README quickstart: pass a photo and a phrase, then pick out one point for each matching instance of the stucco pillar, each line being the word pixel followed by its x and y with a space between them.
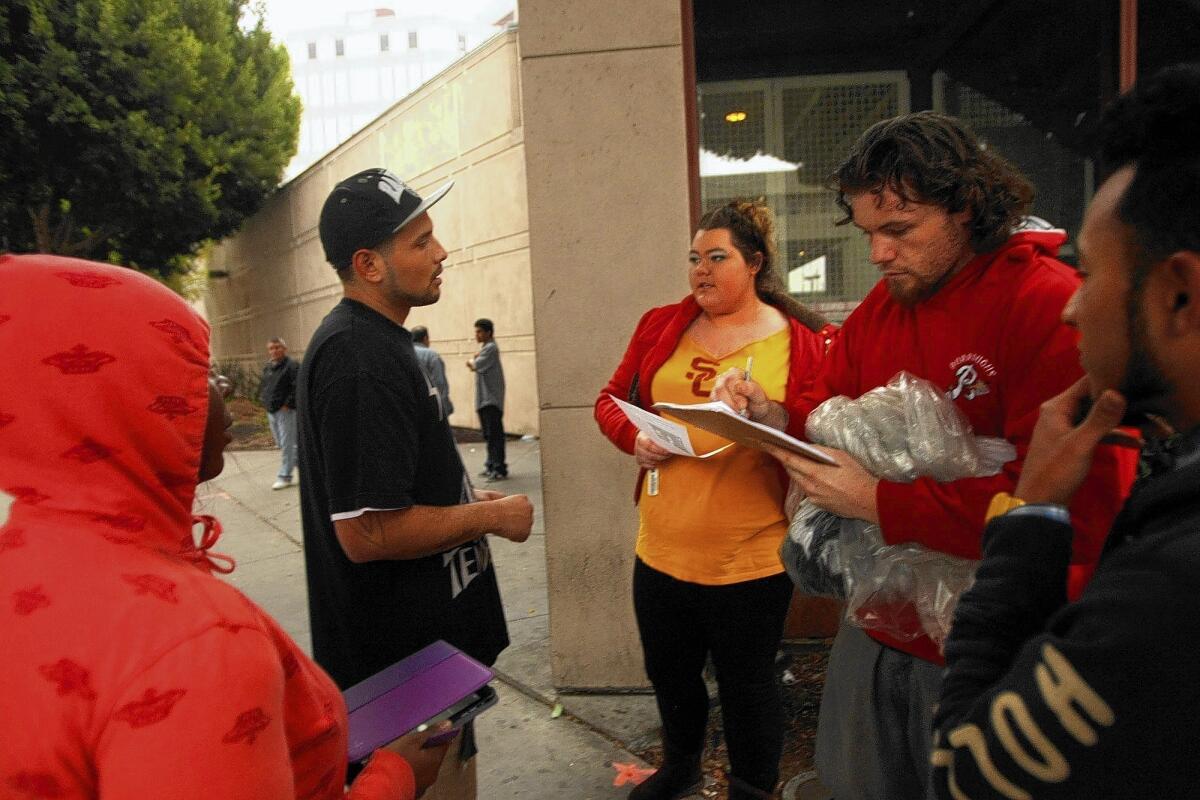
pixel 603 102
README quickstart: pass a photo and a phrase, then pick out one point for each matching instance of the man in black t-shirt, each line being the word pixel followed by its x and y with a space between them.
pixel 395 553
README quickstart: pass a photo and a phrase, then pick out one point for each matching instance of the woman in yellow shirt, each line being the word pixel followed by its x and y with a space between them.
pixel 708 580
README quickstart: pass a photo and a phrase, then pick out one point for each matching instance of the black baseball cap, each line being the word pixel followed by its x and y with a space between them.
pixel 367 208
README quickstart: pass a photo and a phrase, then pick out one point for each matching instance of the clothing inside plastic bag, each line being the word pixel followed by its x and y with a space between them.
pixel 899 432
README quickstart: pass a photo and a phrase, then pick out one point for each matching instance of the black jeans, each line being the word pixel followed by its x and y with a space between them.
pixel 740 625
pixel 492 422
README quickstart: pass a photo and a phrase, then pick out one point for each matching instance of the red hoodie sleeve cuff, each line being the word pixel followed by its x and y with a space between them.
pixel 628 441
pixel 387 775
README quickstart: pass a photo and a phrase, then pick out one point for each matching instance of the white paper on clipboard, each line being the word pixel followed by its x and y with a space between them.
pixel 719 418
pixel 666 434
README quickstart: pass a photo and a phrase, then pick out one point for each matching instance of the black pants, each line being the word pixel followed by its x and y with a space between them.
pixel 740 625
pixel 492 423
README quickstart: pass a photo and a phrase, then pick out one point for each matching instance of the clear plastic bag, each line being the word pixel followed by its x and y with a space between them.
pixel 899 432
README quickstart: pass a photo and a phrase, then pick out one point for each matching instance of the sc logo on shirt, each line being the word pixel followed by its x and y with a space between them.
pixel 703 370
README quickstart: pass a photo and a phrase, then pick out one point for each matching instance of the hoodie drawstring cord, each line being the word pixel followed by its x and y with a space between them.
pixel 217 562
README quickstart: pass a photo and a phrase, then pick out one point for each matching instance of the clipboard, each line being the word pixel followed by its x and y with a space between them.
pixel 436 683
pixel 722 420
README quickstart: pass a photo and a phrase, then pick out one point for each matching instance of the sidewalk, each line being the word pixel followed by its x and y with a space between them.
pixel 524 751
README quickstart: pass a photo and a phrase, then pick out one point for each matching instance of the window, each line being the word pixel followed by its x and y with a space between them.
pixel 412 40
pixel 814 267
pixel 384 45
pixel 312 50
pixel 462 43
pixel 778 139
pixel 339 47
pixel 1062 177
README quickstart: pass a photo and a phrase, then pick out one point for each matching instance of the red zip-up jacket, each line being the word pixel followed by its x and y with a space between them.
pixel 654 340
pixel 993 338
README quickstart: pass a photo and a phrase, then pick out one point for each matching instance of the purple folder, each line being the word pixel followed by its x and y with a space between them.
pixel 396 700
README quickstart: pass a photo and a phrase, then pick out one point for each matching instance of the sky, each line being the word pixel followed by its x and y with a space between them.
pixel 285 16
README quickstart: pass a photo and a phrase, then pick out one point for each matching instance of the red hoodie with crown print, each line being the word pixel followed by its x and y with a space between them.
pixel 129 669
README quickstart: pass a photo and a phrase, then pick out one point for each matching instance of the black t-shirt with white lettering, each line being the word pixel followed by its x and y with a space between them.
pixel 372 437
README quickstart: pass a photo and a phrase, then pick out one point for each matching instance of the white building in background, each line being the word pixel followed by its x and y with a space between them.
pixel 347 75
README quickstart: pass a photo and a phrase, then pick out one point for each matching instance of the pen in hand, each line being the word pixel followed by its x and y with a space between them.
pixel 745 412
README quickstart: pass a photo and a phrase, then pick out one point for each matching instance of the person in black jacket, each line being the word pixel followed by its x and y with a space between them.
pixel 277 392
pixel 1099 698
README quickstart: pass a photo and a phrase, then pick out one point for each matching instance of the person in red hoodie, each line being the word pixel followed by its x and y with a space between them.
pixel 708 579
pixel 129 669
pixel 971 299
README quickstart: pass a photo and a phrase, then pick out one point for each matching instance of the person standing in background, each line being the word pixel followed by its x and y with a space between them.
pixel 277 393
pixel 434 368
pixel 489 398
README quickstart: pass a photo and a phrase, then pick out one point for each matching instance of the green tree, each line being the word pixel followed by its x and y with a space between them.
pixel 135 130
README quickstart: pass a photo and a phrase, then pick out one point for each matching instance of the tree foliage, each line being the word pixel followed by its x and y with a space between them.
pixel 135 130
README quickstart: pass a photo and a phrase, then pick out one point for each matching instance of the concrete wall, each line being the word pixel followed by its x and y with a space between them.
pixel 464 125
pixel 606 159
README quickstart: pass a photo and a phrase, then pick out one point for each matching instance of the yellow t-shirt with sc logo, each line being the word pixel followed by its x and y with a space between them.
pixel 716 520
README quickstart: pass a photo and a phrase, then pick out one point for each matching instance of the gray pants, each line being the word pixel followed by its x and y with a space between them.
pixel 876 723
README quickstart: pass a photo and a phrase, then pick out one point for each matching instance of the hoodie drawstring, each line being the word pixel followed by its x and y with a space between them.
pixel 217 562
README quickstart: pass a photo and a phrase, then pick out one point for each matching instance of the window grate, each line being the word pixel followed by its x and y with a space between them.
pixel 1062 178
pixel 803 127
